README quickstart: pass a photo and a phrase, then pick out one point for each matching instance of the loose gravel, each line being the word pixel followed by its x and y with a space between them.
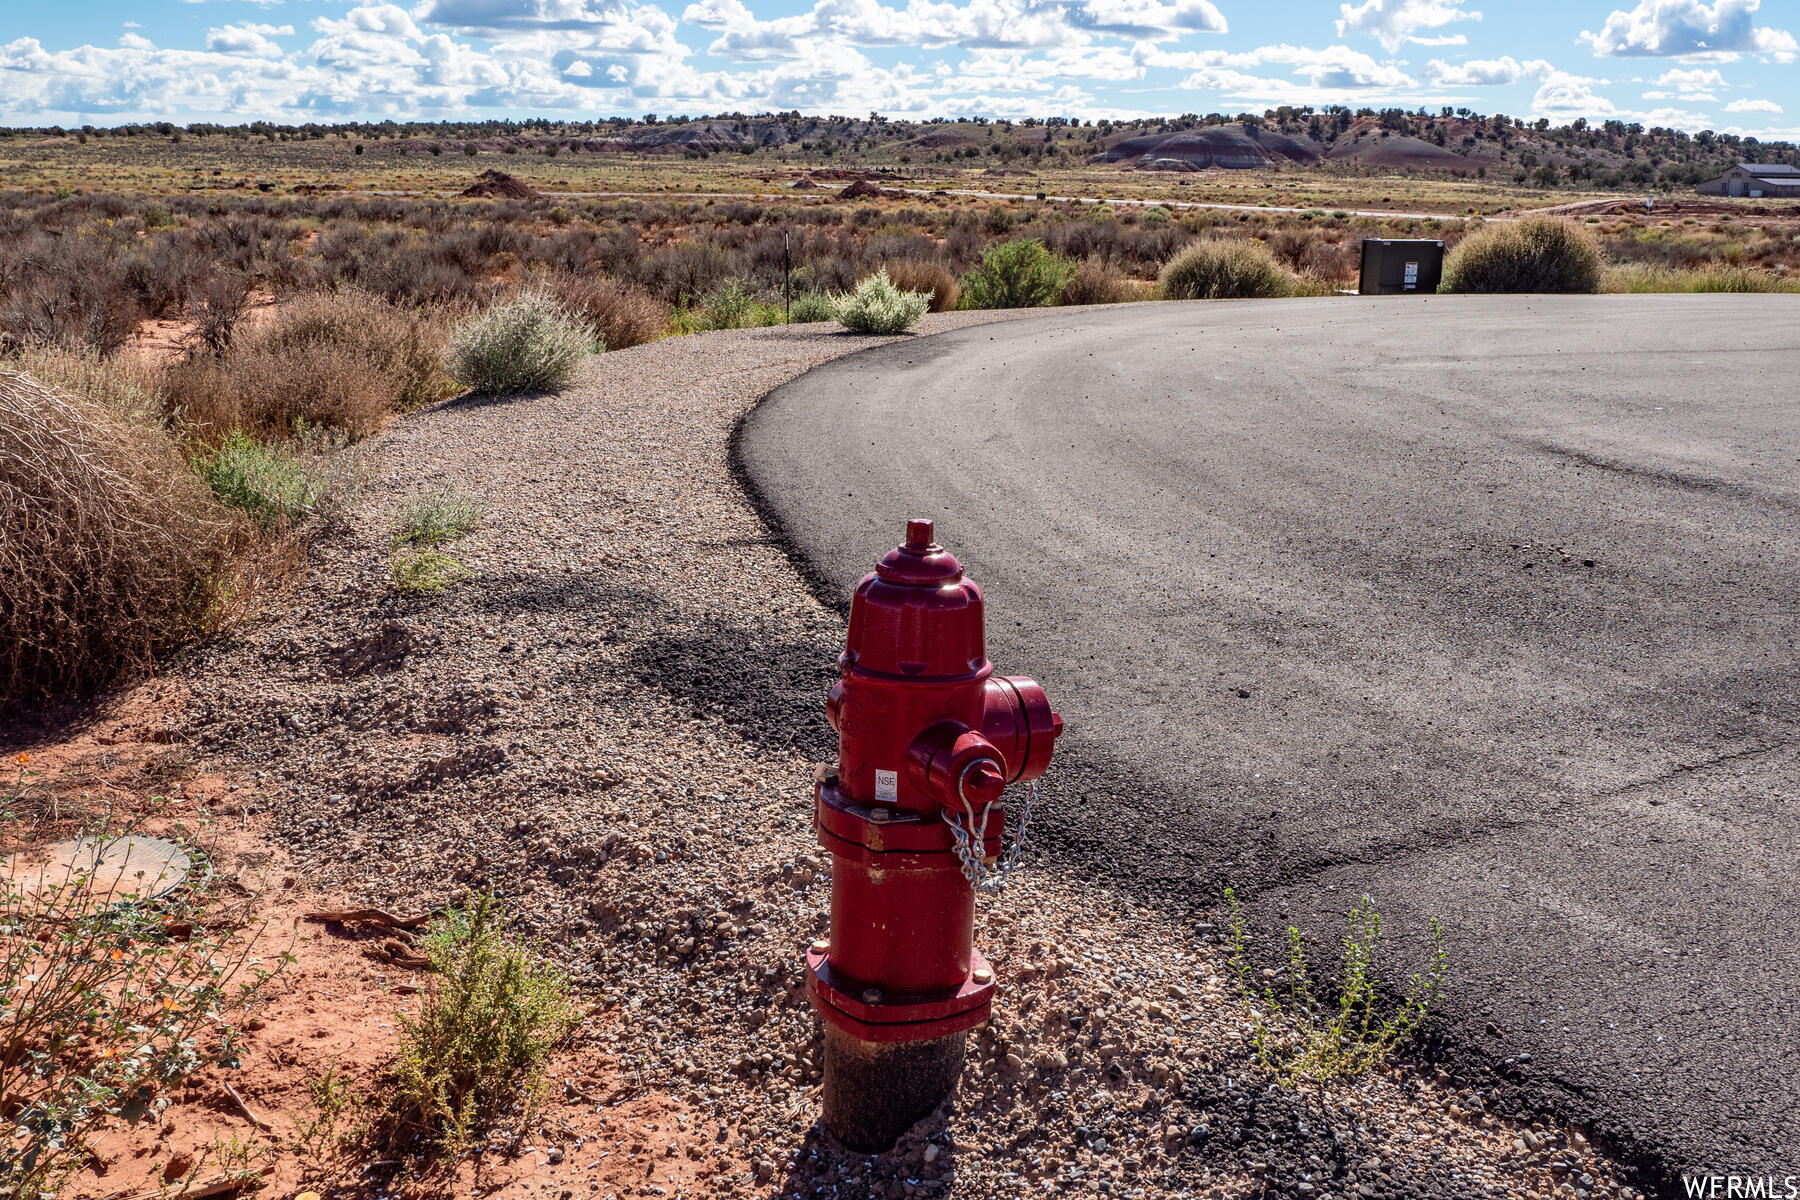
pixel 613 721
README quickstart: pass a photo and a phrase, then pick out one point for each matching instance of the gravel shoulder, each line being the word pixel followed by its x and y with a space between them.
pixel 613 722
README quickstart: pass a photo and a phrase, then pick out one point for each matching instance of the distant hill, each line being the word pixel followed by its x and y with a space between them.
pixel 1232 147
pixel 1615 154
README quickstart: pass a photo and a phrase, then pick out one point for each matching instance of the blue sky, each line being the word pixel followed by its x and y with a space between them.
pixel 1725 65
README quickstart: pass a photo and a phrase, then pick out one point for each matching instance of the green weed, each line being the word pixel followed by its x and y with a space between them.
pixel 272 485
pixel 1303 1037
pixel 418 572
pixel 487 1026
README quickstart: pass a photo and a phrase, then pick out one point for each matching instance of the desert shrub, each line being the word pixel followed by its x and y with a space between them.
pixel 527 343
pixel 1224 271
pixel 268 482
pixel 125 385
pixel 877 306
pixel 625 314
pixel 403 344
pixel 271 392
pixel 810 307
pixel 930 277
pixel 108 1010
pixel 435 515
pixel 1016 274
pixel 491 1018
pixel 215 310
pixel 1096 281
pixel 1538 255
pixel 108 548
pixel 730 306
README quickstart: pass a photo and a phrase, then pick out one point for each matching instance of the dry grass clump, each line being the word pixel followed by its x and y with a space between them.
pixel 403 344
pixel 932 278
pixel 274 393
pixel 1097 281
pixel 1643 277
pixel 625 314
pixel 1231 270
pixel 109 547
pixel 1543 254
pixel 128 386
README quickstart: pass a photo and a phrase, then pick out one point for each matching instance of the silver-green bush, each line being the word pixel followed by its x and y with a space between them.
pixel 808 307
pixel 530 343
pixel 877 306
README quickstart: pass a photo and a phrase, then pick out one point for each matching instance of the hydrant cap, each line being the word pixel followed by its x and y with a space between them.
pixel 920 562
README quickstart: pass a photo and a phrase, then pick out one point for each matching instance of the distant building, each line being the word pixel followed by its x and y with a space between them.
pixel 1755 179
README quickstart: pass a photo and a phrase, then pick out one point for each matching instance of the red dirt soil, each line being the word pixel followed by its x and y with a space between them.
pixel 334 1007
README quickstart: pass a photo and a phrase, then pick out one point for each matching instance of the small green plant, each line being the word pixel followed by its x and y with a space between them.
pixel 530 343
pixel 157 215
pixel 106 1006
pixel 1303 1037
pixel 330 1098
pixel 272 485
pixel 811 307
pixel 877 306
pixel 1225 270
pixel 435 516
pixel 1021 273
pixel 423 571
pixel 477 1050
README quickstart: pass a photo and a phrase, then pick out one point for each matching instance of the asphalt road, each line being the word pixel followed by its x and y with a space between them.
pixel 1486 607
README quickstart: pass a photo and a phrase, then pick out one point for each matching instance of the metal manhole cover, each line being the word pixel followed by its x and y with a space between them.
pixel 131 868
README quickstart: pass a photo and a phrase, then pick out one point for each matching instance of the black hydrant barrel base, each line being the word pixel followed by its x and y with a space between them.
pixel 875 1091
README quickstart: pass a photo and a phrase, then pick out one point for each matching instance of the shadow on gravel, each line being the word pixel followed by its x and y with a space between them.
pixel 765 683
pixel 595 594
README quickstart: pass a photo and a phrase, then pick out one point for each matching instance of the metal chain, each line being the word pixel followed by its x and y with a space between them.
pixel 982 877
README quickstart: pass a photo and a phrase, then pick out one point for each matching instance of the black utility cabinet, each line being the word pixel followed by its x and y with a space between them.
pixel 1393 268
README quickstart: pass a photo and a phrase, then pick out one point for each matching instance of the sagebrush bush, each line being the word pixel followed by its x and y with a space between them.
pixel 435 515
pixel 402 343
pixel 477 1049
pixel 272 392
pixel 809 307
pixel 109 548
pixel 1016 274
pixel 877 306
pixel 1542 254
pixel 1097 281
pixel 528 343
pixel 928 276
pixel 624 313
pixel 1230 270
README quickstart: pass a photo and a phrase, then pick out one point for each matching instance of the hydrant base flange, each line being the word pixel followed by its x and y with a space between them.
pixel 892 1019
pixel 876 1091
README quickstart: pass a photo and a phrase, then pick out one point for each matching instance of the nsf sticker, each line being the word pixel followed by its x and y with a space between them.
pixel 887 786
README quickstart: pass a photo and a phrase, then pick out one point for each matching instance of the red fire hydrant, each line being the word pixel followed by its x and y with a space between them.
pixel 928 740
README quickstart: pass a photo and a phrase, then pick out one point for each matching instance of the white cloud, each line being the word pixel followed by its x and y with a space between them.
pixel 1564 97
pixel 1328 75
pixel 1743 106
pixel 1691 29
pixel 248 38
pixel 1484 72
pixel 1393 23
